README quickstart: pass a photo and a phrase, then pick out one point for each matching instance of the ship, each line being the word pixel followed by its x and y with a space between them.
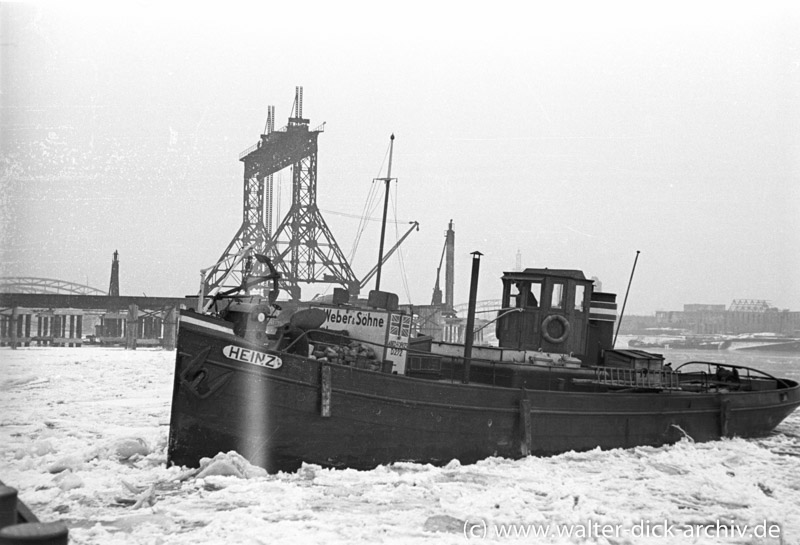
pixel 756 342
pixel 761 342
pixel 348 384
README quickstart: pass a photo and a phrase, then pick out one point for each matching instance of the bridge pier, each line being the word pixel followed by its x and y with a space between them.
pixel 15 327
pixel 45 321
pixel 59 319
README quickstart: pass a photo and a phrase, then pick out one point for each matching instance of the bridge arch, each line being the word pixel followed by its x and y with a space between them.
pixel 30 284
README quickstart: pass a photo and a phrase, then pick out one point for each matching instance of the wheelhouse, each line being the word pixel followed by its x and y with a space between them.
pixel 550 310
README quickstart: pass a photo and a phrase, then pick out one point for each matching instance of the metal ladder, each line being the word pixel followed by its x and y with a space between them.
pixel 636 378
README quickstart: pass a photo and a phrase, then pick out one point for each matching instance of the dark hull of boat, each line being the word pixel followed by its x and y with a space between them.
pixel 342 416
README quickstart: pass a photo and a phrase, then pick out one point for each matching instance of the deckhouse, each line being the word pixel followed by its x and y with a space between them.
pixel 556 310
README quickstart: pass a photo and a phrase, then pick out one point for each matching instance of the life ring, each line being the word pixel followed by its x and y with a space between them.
pixel 565 326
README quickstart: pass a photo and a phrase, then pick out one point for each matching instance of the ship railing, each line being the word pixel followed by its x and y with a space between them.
pixel 660 379
pixel 709 374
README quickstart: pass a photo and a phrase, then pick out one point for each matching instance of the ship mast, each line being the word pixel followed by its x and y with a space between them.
pixel 385 207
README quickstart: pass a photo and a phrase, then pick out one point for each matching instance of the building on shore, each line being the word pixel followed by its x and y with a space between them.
pixel 742 316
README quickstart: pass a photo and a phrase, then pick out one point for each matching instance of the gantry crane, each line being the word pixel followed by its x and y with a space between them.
pixel 302 248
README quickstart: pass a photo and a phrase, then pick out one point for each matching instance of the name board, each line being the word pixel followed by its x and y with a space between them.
pixel 389 331
pixel 253 357
pixel 337 316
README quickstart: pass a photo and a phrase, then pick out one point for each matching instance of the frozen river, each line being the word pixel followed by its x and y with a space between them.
pixel 83 436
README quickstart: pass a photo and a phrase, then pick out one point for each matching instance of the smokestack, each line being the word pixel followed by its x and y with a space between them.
pixel 602 316
pixel 469 334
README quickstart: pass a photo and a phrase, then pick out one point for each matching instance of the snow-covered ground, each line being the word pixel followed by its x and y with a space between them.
pixel 83 436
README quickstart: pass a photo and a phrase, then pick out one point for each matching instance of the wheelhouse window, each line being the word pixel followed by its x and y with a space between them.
pixel 526 294
pixel 557 299
pixel 580 293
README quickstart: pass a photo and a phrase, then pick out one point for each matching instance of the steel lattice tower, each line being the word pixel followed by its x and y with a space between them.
pixel 302 248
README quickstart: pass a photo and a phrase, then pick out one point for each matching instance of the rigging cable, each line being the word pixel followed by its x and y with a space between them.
pixel 369 207
pixel 335 213
pixel 403 274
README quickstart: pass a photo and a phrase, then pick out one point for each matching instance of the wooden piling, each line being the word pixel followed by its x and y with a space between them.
pixel 48 329
pixel 71 330
pixel 27 332
pixel 170 328
pixel 325 393
pixel 132 327
pixel 724 417
pixel 13 324
pixel 525 427
pixel 56 329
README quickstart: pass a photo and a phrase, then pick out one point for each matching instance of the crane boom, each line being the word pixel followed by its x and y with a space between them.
pixel 371 273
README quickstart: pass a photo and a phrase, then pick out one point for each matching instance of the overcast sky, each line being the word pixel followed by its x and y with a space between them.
pixel 574 135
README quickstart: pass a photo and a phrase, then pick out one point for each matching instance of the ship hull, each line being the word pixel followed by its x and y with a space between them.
pixel 340 416
pixel 757 345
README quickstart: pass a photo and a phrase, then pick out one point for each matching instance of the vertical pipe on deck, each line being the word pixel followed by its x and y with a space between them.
pixel 469 334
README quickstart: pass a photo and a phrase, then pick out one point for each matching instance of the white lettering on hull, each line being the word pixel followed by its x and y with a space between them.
pixel 253 357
